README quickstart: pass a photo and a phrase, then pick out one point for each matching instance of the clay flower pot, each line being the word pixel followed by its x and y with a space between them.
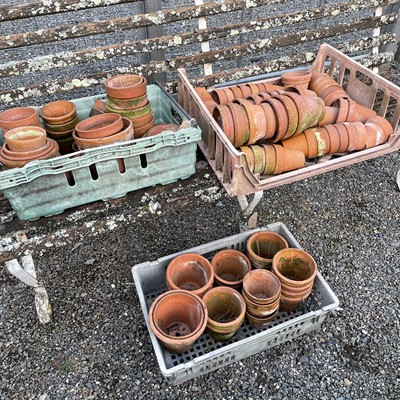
pixel 375 135
pixel 237 93
pixel 295 269
pixel 331 114
pixel 248 152
pixel 230 267
pixel 358 113
pixel 191 272
pixel 99 126
pixel 334 138
pixel 157 129
pixel 270 159
pixel 292 113
pixel 323 141
pixel 344 137
pixel 257 122
pixel 132 114
pixel 383 123
pixel 18 117
pixel 203 94
pixel 361 135
pixel 270 119
pixel 259 159
pixel 20 159
pixel 311 143
pixel 25 138
pixel 246 91
pixel 127 104
pixel 125 87
pixel 241 124
pixel 226 311
pixel 262 246
pixel 352 135
pixel 220 96
pixel 298 142
pixel 58 112
pixel 223 116
pixel 61 128
pixel 282 120
pixel 178 318
pixel 143 130
pixel 261 323
pixel 298 78
pixel 122 136
pixel 288 159
pixel 144 120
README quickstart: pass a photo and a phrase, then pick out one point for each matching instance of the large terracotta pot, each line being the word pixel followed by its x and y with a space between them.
pixel 178 318
pixel 262 246
pixel 226 311
pixel 248 152
pixel 295 269
pixel 191 272
pixel 230 268
pixel 383 123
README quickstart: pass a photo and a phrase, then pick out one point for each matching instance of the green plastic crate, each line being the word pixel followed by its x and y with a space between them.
pixel 48 187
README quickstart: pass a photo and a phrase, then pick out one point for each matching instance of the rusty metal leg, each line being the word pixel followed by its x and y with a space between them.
pixel 247 207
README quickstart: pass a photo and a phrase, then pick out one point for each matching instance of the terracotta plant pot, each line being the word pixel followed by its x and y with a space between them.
pixel 323 141
pixel 220 96
pixel 139 122
pixel 241 124
pixel 23 158
pixel 191 272
pixel 27 155
pixel 203 94
pixel 261 310
pixel 311 143
pixel 295 269
pixel 270 159
pixel 383 123
pixel 331 114
pixel 352 135
pixel 261 323
pixel 282 120
pixel 178 318
pixel 292 113
pixel 122 136
pixel 99 126
pixel 343 105
pixel 257 122
pixel 344 137
pixel 262 246
pixel 334 138
pixel 125 86
pixel 226 310
pixel 223 116
pixel 67 127
pixel 58 112
pixel 261 287
pixel 25 138
pixel 127 104
pixel 358 113
pixel 143 130
pixel 288 159
pixel 298 78
pixel 361 135
pixel 157 129
pixel 230 268
pixel 298 142
pixel 18 117
pixel 248 152
pixel 237 93
pixel 271 120
pixel 132 114
pixel 259 159
pixel 246 91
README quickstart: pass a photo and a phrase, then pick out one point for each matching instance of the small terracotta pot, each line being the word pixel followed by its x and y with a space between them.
pixel 143 130
pixel 237 93
pixel 157 129
pixel 248 152
pixel 343 105
pixel 298 78
pixel 262 246
pixel 126 86
pixel 352 134
pixel 361 135
pixel 18 117
pixel 270 159
pixel 190 271
pixel 144 120
pixel 261 310
pixel 300 90
pixel 257 122
pixel 178 318
pixel 358 113
pixel 226 311
pixel 253 87
pixel 58 112
pixel 122 136
pixel 259 159
pixel 25 138
pixel 99 126
pixel 246 91
pixel 27 155
pixel 261 287
pixel 241 124
pixel 288 159
pixel 331 94
pixel 230 267
pixel 223 116
pixel 261 323
pixel 344 137
pixel 375 134
pixel 294 268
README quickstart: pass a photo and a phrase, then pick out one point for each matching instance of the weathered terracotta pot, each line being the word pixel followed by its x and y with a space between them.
pixel 383 123
pixel 144 120
pixel 99 126
pixel 220 97
pixel 261 310
pixel 203 94
pixel 292 113
pixel 334 138
pixel 223 116
pixel 25 138
pixel 126 86
pixel 226 311
pixel 248 152
pixel 191 272
pixel 343 105
pixel 143 130
pixel 352 135
pixel 257 122
pixel 331 94
pixel 178 318
pixel 270 159
pixel 375 134
pixel 358 113
pixel 262 246
pixel 46 152
pixel 61 128
pixel 58 112
pixel 261 286
pixel 259 159
pixel 246 91
pixel 344 137
pixel 298 142
pixel 26 155
pixel 122 136
pixel 294 268
pixel 288 159
pixel 323 141
pixel 237 93
pixel 241 124
pixel 127 104
pixel 157 129
pixel 331 114
pixel 18 117
pixel 282 120
pixel 230 267
pixel 270 119
pixel 311 143
pixel 298 78
pixel 361 135
pixel 261 323
pixel 132 114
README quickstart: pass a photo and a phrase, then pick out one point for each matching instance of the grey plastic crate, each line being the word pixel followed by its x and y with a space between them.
pixel 207 355
pixel 43 188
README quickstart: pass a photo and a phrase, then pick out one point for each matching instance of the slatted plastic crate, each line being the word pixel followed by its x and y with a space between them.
pixel 48 187
pixel 207 355
pixel 229 163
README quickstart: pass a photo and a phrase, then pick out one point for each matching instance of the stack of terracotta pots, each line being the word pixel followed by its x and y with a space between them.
pixel 60 119
pixel 261 293
pixel 311 113
pixel 127 96
pixel 296 271
pixel 25 144
pixel 102 129
pixel 19 117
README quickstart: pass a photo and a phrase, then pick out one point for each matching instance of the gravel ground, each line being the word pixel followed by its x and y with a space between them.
pixel 97 345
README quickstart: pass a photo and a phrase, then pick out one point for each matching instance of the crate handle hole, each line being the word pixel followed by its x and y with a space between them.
pixel 93 172
pixel 143 160
pixel 121 165
pixel 70 178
